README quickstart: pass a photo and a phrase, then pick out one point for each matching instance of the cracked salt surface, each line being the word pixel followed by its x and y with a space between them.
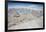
pixel 24 21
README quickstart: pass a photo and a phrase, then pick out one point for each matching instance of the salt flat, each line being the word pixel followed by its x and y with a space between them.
pixel 25 21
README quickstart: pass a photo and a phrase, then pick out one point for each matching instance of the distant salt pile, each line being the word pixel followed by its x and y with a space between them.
pixel 37 13
pixel 12 12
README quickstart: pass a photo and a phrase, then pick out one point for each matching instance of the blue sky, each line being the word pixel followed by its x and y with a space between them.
pixel 33 6
pixel 14 5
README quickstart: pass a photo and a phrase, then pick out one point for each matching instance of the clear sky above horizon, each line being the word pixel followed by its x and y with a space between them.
pixel 16 5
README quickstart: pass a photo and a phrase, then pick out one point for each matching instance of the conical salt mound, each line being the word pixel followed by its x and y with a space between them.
pixel 12 12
